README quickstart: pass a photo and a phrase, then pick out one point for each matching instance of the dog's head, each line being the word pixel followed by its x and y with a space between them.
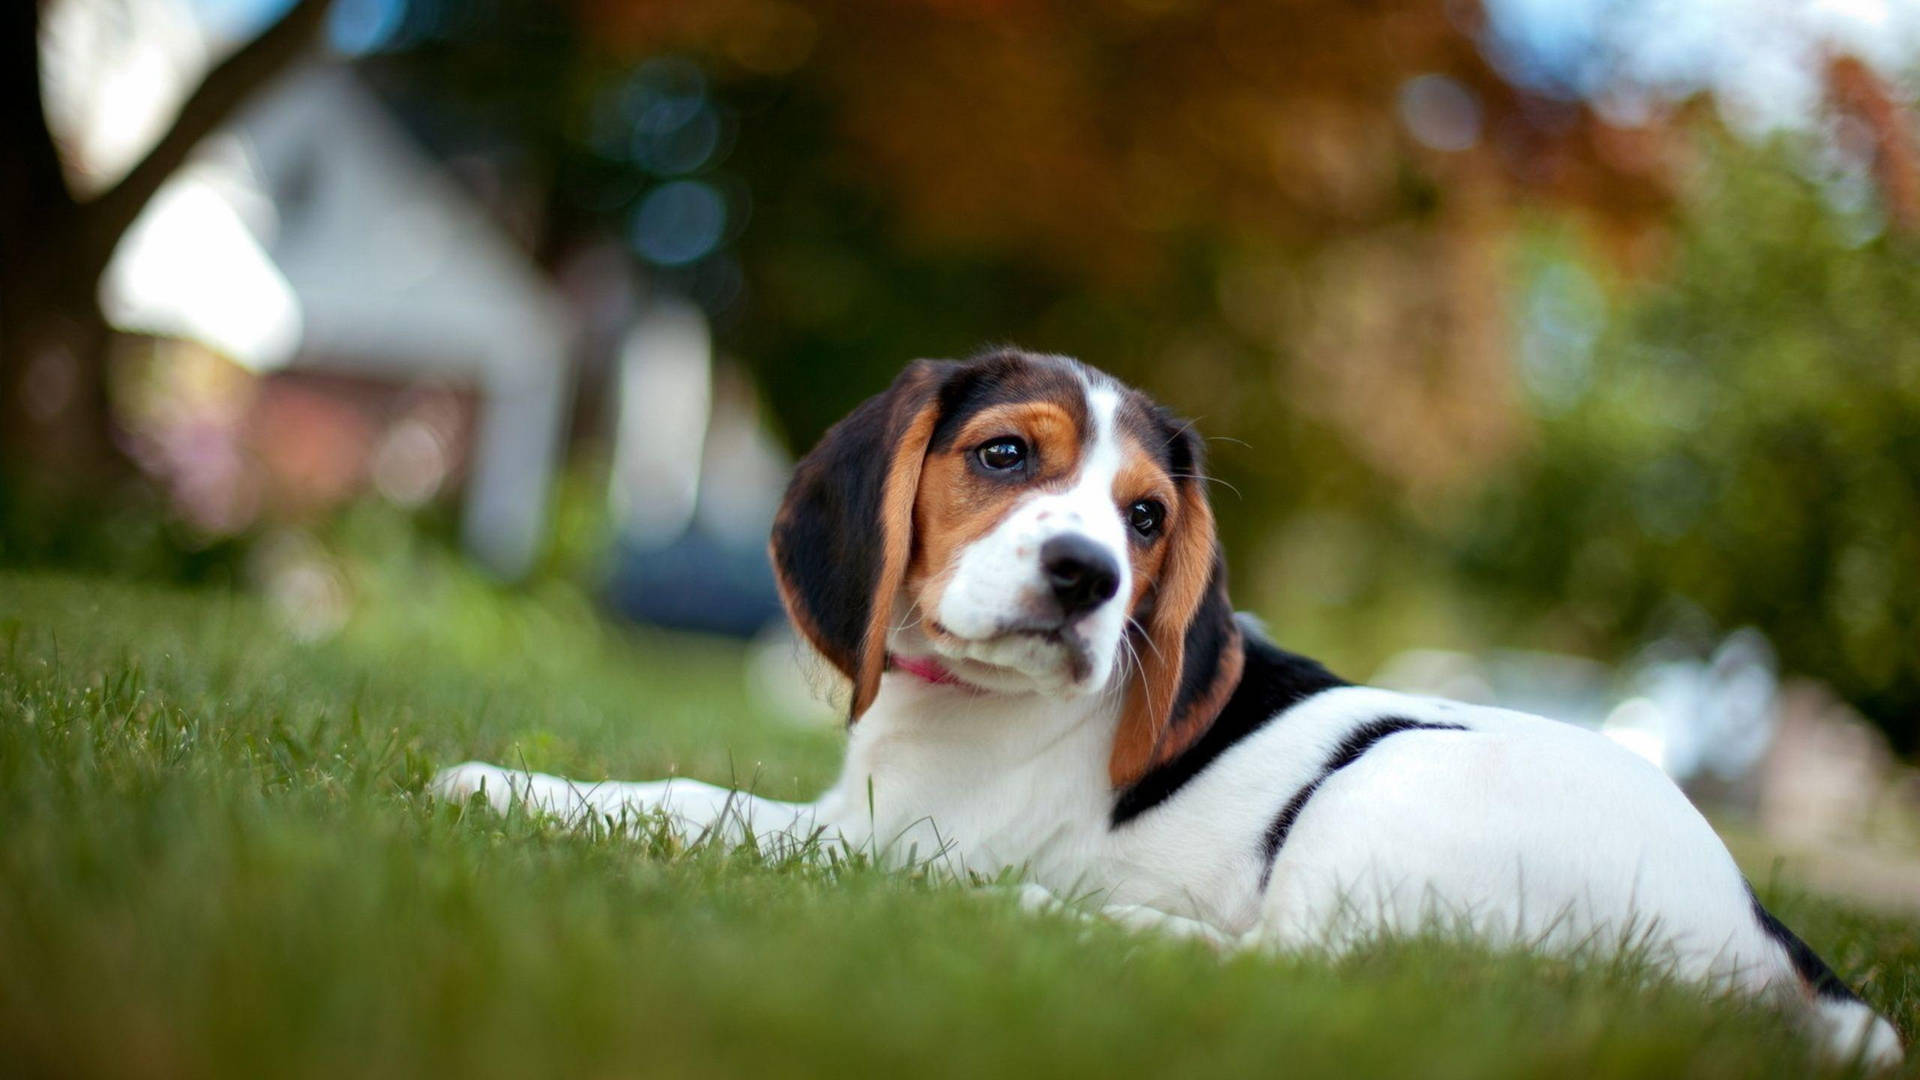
pixel 1018 524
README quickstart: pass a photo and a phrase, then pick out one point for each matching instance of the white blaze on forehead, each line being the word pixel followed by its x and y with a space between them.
pixel 1091 496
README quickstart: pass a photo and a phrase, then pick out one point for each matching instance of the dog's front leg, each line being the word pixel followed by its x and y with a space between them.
pixel 695 810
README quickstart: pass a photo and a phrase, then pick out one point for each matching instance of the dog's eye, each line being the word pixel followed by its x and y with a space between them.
pixel 1003 453
pixel 1146 517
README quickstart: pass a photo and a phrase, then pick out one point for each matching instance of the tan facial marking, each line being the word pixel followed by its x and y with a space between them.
pixel 1149 731
pixel 897 500
pixel 1141 477
pixel 957 506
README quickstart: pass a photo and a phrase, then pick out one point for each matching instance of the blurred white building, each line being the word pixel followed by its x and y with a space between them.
pixel 314 235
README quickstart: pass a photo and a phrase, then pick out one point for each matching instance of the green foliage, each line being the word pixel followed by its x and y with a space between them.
pixel 123 529
pixel 217 859
pixel 1748 438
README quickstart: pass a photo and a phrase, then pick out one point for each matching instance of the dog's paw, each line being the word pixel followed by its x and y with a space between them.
pixel 1038 899
pixel 459 783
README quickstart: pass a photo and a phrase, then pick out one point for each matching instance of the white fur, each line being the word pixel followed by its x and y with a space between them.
pixel 1519 829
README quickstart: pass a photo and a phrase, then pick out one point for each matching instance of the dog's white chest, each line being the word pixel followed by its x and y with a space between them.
pixel 983 783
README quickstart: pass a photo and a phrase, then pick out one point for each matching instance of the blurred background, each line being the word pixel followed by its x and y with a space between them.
pixel 1563 354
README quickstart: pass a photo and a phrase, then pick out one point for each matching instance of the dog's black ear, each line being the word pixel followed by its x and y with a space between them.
pixel 1193 654
pixel 844 533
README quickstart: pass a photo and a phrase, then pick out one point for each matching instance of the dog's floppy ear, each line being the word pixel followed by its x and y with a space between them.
pixel 845 530
pixel 1193 654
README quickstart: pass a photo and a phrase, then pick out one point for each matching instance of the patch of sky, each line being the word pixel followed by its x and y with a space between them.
pixel 1762 62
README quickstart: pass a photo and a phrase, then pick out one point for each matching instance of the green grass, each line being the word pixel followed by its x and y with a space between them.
pixel 216 858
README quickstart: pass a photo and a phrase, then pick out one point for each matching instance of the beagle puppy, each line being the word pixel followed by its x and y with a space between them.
pixel 1012 559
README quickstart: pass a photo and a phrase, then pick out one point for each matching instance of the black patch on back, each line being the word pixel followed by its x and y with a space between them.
pixel 1358 742
pixel 1272 681
pixel 1813 970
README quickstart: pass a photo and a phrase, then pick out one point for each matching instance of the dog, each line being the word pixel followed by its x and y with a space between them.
pixel 1012 560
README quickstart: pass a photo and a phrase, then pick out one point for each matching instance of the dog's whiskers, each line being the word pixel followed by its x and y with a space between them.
pixel 1129 658
pixel 1151 644
pixel 913 619
pixel 1207 479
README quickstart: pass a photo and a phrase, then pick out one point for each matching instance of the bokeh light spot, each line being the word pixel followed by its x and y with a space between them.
pixel 1439 112
pixel 679 222
pixel 357 27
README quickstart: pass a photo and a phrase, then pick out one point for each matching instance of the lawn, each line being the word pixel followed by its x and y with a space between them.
pixel 216 858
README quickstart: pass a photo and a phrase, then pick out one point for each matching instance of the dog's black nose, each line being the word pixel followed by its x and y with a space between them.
pixel 1080 572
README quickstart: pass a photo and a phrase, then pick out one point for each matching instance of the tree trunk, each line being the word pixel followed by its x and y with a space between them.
pixel 55 418
pixel 55 422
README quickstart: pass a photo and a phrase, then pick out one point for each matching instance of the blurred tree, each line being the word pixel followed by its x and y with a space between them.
pixel 1745 434
pixel 1294 219
pixel 1303 197
pixel 54 245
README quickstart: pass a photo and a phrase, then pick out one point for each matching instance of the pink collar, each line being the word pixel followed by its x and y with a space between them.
pixel 924 668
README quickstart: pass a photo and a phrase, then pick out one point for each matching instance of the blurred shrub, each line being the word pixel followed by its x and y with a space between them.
pixel 124 528
pixel 1744 434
